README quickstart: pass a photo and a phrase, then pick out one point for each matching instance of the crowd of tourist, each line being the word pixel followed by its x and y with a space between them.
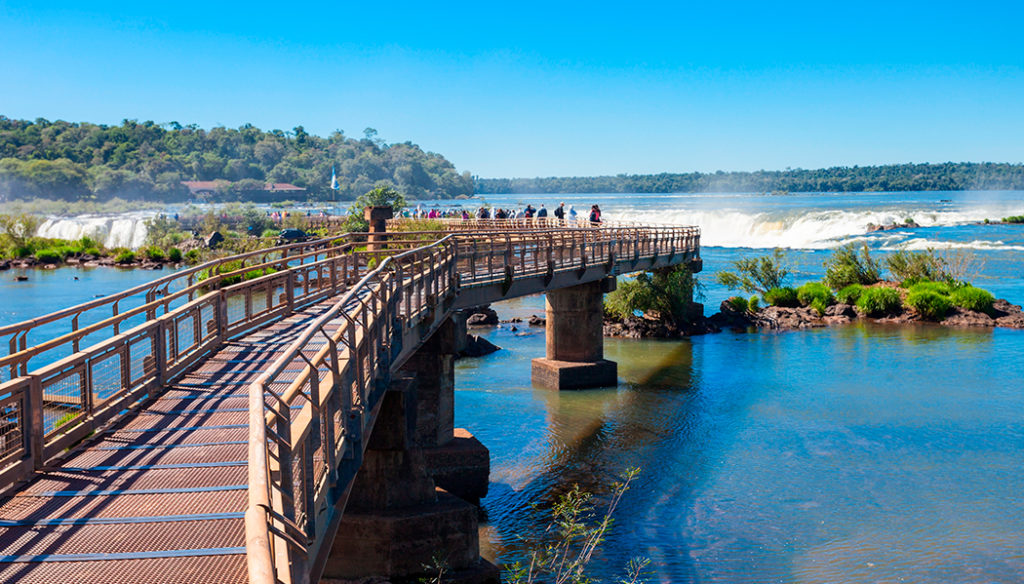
pixel 561 214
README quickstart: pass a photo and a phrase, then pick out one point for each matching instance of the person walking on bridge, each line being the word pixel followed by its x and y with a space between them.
pixel 595 214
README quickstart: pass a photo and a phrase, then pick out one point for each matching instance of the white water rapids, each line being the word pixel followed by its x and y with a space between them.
pixel 811 228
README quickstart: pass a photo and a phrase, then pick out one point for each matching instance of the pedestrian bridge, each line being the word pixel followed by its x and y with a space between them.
pixel 209 426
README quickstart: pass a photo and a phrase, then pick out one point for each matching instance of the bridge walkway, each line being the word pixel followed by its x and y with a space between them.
pixel 162 494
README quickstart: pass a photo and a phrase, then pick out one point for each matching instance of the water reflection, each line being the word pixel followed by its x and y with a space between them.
pixel 851 454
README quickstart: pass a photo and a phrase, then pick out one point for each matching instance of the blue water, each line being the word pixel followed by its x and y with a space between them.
pixel 861 453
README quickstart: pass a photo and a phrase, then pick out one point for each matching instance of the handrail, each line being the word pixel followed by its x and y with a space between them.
pixel 157 295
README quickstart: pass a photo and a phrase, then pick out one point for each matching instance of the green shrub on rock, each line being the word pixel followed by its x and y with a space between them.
pixel 936 287
pixel 812 291
pixel 174 254
pixel 738 303
pixel 154 253
pixel 879 301
pixel 819 305
pixel 783 296
pixel 850 294
pixel 971 298
pixel 49 256
pixel 754 304
pixel 125 257
pixel 929 304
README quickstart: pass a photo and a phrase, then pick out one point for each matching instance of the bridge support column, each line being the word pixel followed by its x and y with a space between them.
pixel 396 522
pixel 455 459
pixel 575 342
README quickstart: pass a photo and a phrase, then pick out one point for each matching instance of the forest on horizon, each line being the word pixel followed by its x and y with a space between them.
pixel 148 161
pixel 949 176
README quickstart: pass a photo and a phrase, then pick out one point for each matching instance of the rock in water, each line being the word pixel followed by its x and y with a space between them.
pixel 537 320
pixel 477 346
pixel 483 316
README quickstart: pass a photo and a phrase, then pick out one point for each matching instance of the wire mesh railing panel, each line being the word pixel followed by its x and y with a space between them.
pixel 107 375
pixel 141 358
pixel 63 398
pixel 12 423
pixel 185 332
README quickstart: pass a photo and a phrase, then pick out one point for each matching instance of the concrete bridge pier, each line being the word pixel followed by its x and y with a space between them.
pixel 396 522
pixel 575 342
pixel 455 459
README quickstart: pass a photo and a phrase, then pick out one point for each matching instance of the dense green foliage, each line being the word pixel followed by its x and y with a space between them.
pixel 949 176
pixel 879 301
pixel 812 292
pixel 668 292
pixel 849 294
pixel 756 275
pixel 845 266
pixel 1012 219
pixel 971 298
pixel 928 303
pixel 77 161
pixel 782 296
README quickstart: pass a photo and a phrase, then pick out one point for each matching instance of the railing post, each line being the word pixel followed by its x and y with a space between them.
pixel 222 316
pixel 35 417
pixel 160 352
pixel 289 290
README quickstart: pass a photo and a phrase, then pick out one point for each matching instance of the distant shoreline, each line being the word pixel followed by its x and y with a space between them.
pixel 949 176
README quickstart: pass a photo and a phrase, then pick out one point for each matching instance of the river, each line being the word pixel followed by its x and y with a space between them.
pixel 862 453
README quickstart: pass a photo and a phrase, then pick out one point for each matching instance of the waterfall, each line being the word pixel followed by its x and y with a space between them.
pixel 120 230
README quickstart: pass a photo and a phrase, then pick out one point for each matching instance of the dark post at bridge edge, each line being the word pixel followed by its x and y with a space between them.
pixel 575 343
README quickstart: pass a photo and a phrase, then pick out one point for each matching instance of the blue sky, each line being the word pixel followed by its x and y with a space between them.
pixel 543 89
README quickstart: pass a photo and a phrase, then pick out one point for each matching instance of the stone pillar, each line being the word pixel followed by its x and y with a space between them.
pixel 455 459
pixel 377 217
pixel 575 343
pixel 396 521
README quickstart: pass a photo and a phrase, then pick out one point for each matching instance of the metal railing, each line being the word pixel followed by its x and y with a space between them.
pixel 301 463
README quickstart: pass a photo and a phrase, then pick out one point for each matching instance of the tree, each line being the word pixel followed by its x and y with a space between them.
pixel 668 292
pixel 846 267
pixel 382 196
pixel 756 275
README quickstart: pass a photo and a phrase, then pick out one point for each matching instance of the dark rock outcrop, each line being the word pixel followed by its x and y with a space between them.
pixel 483 316
pixel 781 318
pixel 213 240
pixel 905 225
pixel 537 320
pixel 477 346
